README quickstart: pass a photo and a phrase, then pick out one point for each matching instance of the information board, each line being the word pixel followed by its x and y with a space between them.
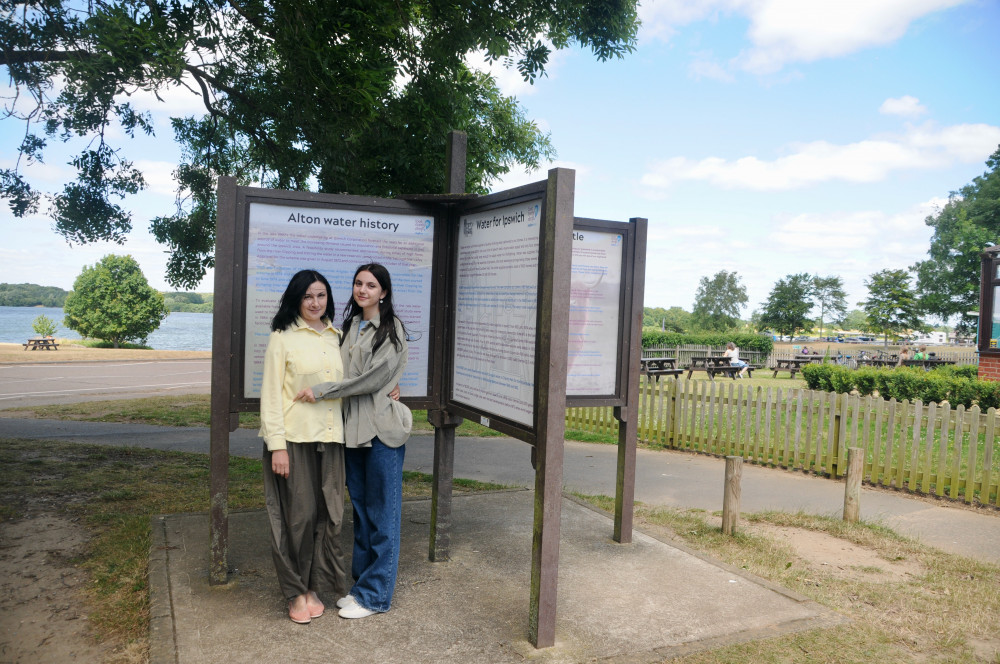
pixel 496 310
pixel 283 239
pixel 595 312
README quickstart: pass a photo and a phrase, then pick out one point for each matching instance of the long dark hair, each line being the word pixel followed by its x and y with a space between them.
pixel 291 299
pixel 386 313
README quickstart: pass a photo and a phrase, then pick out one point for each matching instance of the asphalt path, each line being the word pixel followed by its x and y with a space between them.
pixel 38 384
pixel 672 479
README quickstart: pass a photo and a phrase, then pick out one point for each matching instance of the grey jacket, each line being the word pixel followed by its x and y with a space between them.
pixel 368 379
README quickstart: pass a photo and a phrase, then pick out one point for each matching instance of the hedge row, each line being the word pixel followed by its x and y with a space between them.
pixel 743 341
pixel 956 385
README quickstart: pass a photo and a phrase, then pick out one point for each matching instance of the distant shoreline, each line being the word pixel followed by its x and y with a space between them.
pixel 14 353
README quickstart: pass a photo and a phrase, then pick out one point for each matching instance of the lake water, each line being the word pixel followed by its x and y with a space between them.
pixel 178 331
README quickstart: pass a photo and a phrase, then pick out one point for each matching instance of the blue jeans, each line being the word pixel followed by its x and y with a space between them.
pixel 375 481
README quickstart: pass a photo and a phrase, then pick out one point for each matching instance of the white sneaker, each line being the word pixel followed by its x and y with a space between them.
pixel 346 601
pixel 355 611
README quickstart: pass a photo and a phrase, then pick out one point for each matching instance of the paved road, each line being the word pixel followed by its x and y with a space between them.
pixel 673 479
pixel 42 384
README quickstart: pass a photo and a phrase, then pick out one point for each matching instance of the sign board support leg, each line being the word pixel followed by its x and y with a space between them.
pixel 628 416
pixel 550 373
pixel 441 491
pixel 222 420
pixel 625 478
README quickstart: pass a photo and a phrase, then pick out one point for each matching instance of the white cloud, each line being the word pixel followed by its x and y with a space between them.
pixel 159 176
pixel 702 67
pixel 518 176
pixel 905 105
pixel 788 31
pixel 869 160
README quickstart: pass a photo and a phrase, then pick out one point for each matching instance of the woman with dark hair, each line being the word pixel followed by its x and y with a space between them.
pixel 304 447
pixel 373 348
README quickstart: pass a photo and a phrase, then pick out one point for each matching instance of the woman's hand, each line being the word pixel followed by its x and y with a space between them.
pixel 279 463
pixel 394 395
pixel 306 395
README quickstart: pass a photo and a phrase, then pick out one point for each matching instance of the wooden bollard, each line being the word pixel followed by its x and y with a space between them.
pixel 731 495
pixel 852 488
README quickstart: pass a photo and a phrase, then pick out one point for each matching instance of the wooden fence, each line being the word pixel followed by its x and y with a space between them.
pixel 932 449
pixel 684 353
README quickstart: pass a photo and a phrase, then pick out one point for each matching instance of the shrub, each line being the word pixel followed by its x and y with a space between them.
pixel 935 388
pixel 755 342
pixel 987 394
pixel 817 376
pixel 43 326
pixel 841 380
pixel 904 383
pixel 865 380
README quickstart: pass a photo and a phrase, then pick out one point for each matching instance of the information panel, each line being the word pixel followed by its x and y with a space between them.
pixel 594 312
pixel 496 310
pixel 284 239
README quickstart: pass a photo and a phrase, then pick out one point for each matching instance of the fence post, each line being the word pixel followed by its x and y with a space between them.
pixel 731 495
pixel 835 443
pixel 852 488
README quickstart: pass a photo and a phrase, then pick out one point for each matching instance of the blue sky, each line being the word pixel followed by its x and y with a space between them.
pixel 766 137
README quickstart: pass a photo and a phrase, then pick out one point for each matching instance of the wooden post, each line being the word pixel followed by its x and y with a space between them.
pixel 222 422
pixel 441 491
pixel 731 495
pixel 445 423
pixel 628 417
pixel 852 489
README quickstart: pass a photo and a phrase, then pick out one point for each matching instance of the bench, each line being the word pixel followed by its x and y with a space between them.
pixel 46 343
pixel 716 365
pixel 793 364
pixel 654 367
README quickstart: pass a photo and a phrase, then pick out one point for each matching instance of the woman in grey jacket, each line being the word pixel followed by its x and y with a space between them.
pixel 373 348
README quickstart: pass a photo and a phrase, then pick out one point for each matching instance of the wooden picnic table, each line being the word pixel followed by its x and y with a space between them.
pixel 794 364
pixel 654 367
pixel 716 365
pixel 929 363
pixel 45 343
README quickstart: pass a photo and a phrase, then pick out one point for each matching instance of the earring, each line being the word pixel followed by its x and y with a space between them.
pixel 381 301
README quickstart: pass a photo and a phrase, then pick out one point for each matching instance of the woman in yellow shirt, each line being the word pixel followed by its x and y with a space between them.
pixel 304 474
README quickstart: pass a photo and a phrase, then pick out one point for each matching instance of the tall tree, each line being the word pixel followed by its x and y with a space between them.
pixel 892 306
pixel 855 319
pixel 788 305
pixel 948 282
pixel 112 301
pixel 831 298
pixel 674 319
pixel 354 96
pixel 718 302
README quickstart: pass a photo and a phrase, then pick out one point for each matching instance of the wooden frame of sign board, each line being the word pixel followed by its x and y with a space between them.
pixel 512 254
pixel 607 294
pixel 444 216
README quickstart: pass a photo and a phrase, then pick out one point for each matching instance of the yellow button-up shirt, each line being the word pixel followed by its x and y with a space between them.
pixel 296 358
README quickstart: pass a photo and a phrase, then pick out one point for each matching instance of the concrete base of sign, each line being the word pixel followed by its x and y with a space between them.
pixel 639 602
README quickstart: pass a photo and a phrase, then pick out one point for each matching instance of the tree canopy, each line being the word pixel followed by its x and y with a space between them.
pixel 674 319
pixel 31 295
pixel 787 305
pixel 112 301
pixel 948 281
pixel 719 301
pixel 891 307
pixel 831 298
pixel 354 97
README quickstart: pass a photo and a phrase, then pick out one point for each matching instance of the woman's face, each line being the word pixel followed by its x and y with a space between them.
pixel 367 292
pixel 313 304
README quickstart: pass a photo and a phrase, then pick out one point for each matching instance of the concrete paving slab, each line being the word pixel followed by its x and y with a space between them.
pixel 640 602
